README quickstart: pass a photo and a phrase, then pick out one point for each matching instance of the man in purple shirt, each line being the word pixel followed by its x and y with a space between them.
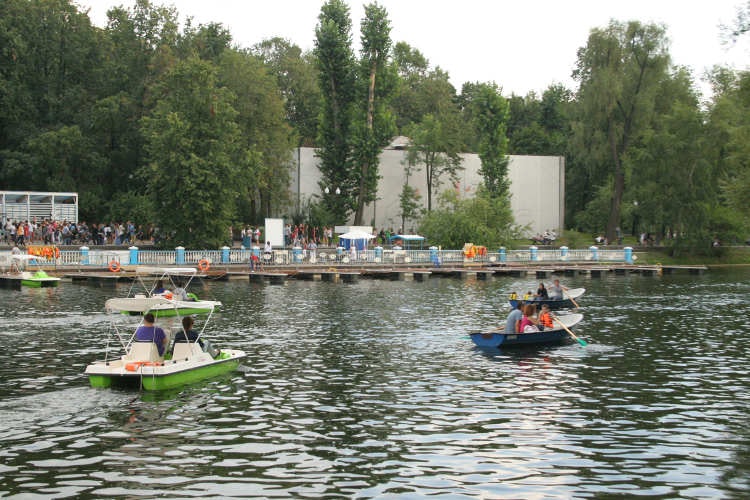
pixel 147 332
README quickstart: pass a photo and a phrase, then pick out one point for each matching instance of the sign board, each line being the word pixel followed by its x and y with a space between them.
pixel 274 233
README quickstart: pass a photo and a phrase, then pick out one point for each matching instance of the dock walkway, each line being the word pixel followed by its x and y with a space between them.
pixel 353 273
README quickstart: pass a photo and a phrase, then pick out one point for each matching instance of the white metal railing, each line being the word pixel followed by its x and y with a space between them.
pixel 330 256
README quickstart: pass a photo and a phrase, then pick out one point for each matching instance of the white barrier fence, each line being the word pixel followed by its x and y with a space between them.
pixel 329 256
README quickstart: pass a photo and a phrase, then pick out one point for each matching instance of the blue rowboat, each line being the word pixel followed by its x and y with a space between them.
pixel 551 336
pixel 565 303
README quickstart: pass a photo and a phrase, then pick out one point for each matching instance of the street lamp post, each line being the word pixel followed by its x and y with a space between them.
pixel 331 204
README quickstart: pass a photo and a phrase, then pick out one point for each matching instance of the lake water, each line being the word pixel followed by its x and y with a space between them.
pixel 373 389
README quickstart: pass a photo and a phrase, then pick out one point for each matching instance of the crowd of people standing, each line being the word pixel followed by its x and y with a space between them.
pixel 52 232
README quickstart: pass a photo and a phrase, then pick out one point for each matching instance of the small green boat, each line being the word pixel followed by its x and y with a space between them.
pixel 166 290
pixel 143 367
pixel 39 279
pixel 162 374
pixel 162 307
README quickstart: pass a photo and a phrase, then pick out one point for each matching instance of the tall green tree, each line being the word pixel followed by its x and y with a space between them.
pixel 526 135
pixel 435 147
pixel 669 164
pixel 378 127
pixel 261 118
pixel 139 47
pixel 491 115
pixel 206 41
pixel 336 68
pixel 65 159
pixel 198 162
pixel 727 141
pixel 49 54
pixel 409 199
pixel 297 79
pixel 619 72
pixel 412 68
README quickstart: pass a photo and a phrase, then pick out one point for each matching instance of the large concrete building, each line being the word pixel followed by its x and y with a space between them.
pixel 537 187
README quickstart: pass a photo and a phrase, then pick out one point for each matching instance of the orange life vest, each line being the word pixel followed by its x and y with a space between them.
pixel 546 320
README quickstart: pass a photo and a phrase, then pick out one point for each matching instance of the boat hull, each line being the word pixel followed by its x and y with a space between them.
pixel 158 378
pixel 169 313
pixel 547 337
pixel 553 304
pixel 40 282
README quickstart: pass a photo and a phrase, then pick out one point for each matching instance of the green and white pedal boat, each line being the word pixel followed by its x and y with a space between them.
pixel 139 365
pixel 162 307
pixel 145 289
pixel 16 264
pixel 38 279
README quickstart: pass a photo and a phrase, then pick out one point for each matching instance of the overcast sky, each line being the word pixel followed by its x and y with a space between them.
pixel 520 45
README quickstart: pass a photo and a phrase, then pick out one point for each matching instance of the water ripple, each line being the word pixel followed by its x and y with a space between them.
pixel 372 390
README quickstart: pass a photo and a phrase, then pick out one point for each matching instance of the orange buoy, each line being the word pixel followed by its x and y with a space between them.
pixel 114 266
pixel 203 265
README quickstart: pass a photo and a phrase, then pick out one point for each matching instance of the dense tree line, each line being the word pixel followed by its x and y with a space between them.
pixel 177 126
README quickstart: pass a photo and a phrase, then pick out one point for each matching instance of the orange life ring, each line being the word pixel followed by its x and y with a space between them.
pixel 114 266
pixel 203 265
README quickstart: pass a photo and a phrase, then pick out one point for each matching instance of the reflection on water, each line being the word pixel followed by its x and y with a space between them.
pixel 372 389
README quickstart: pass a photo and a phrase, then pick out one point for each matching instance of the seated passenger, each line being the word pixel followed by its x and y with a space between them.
pixel 148 332
pixel 541 292
pixel 545 318
pixel 187 334
pixel 528 323
pixel 180 293
pixel 556 291
pixel 159 288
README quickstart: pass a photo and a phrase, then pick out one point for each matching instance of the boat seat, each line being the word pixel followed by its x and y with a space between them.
pixel 143 351
pixel 183 350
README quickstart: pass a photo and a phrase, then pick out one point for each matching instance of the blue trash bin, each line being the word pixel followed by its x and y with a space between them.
pixel 564 253
pixel 594 252
pixel 179 255
pixel 434 257
pixel 133 253
pixel 628 255
pixel 297 255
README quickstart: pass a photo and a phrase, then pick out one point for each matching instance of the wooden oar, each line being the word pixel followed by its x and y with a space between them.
pixel 575 337
pixel 571 298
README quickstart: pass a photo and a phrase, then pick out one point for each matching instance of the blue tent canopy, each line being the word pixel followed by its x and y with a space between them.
pixel 409 240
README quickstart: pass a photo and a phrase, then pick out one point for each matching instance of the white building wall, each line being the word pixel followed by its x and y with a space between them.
pixel 537 188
